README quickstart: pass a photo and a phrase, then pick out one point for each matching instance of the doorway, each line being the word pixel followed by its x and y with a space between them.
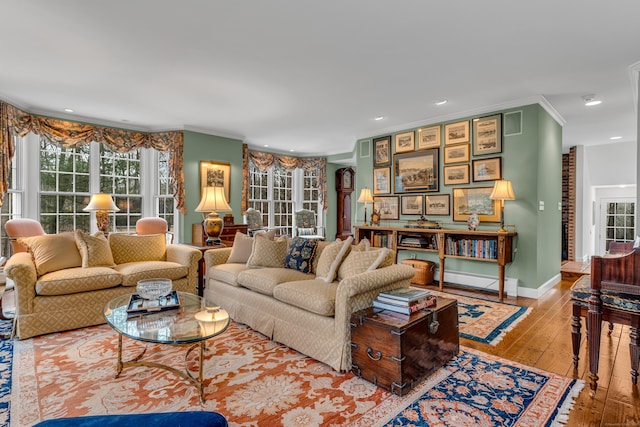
pixel 615 220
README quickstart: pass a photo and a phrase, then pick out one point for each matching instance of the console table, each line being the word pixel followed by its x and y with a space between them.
pixel 486 246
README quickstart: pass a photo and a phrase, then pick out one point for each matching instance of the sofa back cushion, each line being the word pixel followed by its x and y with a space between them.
pixel 133 248
pixel 52 252
pixel 267 252
pixel 94 250
pixel 241 250
pixel 330 259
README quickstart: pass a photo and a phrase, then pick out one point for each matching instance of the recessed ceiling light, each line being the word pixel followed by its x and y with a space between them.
pixel 615 137
pixel 68 110
pixel 590 100
pixel 292 150
pixel 379 118
pixel 265 145
pixel 441 102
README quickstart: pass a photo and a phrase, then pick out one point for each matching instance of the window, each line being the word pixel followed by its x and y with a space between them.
pixel 11 205
pixel 282 200
pixel 620 222
pixel 165 203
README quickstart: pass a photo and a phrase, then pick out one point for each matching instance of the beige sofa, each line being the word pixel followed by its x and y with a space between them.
pixel 307 311
pixel 65 280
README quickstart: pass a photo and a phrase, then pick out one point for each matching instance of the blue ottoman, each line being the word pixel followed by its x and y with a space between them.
pixel 167 419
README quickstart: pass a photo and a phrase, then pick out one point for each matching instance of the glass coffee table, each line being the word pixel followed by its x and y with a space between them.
pixel 192 323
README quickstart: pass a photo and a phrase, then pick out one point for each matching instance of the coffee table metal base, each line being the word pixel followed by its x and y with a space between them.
pixel 186 374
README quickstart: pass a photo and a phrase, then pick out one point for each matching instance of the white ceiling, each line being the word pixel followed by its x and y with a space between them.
pixel 311 76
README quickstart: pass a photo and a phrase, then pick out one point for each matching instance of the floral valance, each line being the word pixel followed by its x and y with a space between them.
pixel 68 134
pixel 264 161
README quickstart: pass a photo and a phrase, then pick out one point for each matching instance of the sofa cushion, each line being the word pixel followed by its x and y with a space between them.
pixel 241 250
pixel 265 279
pixel 300 254
pixel 77 279
pixel 52 252
pixel 133 248
pixel 316 296
pixel 132 272
pixel 364 245
pixel 268 253
pixel 358 262
pixel 226 273
pixel 331 258
pixel 94 250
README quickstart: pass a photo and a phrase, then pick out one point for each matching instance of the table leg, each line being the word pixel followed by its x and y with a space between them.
pixel 119 366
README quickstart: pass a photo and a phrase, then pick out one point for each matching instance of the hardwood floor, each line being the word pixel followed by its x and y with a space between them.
pixel 543 340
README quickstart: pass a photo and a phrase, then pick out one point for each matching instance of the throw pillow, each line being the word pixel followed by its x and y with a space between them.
pixel 269 234
pixel 331 258
pixel 52 252
pixel 363 245
pixel 358 262
pixel 267 252
pixel 300 254
pixel 133 248
pixel 241 250
pixel 94 250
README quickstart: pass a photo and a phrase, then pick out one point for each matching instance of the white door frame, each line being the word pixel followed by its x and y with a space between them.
pixel 603 196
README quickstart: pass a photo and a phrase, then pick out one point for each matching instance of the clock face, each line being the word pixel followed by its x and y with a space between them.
pixel 347 179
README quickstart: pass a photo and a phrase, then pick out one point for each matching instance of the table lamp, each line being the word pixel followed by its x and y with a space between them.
pixel 365 197
pixel 213 201
pixel 502 191
pixel 102 204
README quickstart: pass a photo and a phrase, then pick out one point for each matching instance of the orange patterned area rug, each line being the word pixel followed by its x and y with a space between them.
pixel 251 380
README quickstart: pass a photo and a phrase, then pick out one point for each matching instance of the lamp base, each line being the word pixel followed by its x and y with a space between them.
pixel 102 220
pixel 213 225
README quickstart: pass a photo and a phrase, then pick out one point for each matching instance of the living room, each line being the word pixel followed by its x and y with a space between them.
pixel 241 105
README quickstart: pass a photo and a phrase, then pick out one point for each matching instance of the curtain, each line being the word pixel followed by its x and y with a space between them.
pixel 264 161
pixel 68 134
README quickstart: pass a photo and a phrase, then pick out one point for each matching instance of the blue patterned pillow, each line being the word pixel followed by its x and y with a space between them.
pixel 300 254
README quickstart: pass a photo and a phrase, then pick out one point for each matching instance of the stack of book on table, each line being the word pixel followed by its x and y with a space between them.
pixel 404 300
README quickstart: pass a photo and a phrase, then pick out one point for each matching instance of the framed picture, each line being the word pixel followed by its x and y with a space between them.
pixel 487 169
pixel 456 154
pixel 429 137
pixel 387 207
pixel 456 133
pixel 438 204
pixel 215 174
pixel 411 205
pixel 405 142
pixel 416 171
pixel 458 174
pixel 467 201
pixel 487 135
pixel 381 180
pixel 382 147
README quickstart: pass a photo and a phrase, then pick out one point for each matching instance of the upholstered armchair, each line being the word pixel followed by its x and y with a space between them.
pixel 253 219
pixel 305 225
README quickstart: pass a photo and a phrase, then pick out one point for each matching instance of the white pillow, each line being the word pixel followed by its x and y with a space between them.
pixel 241 250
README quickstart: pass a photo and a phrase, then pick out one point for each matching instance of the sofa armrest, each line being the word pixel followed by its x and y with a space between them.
pixel 189 257
pixel 216 256
pixel 22 271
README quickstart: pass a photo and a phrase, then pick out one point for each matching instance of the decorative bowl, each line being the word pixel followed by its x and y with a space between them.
pixel 154 288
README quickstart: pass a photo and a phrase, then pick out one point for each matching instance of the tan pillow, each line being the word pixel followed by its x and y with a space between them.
pixel 241 250
pixel 268 253
pixel 134 248
pixel 358 262
pixel 363 245
pixel 269 234
pixel 52 252
pixel 94 250
pixel 330 259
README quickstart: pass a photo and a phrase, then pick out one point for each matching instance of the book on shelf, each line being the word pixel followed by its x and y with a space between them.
pixel 429 302
pixel 405 294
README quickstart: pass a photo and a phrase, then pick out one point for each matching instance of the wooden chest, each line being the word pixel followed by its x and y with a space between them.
pixel 395 351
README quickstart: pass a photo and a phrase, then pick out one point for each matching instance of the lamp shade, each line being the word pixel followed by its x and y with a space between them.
pixel 213 200
pixel 365 196
pixel 101 202
pixel 502 190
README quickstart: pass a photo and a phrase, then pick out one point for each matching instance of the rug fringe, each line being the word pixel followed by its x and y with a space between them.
pixel 567 405
pixel 509 328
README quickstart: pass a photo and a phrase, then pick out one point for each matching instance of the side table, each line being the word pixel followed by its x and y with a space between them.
pixel 202 267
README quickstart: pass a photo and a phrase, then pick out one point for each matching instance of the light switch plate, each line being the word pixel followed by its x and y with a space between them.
pixel 541 205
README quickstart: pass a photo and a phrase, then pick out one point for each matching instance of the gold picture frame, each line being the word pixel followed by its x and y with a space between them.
pixel 215 174
pixel 429 137
pixel 457 133
pixel 405 142
pixel 475 200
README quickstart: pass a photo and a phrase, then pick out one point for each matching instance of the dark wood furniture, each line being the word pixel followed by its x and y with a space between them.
pixel 345 178
pixel 487 246
pixel 202 268
pixel 199 237
pixel 396 351
pixel 613 296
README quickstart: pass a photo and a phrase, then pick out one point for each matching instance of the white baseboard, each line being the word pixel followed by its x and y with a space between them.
pixel 541 290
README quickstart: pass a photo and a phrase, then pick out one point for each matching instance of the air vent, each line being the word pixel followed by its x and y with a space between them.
pixel 513 123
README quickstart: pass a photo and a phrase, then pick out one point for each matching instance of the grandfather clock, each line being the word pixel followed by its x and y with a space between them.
pixel 344 188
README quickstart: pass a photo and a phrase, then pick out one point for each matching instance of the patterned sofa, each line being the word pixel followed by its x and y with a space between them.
pixel 308 308
pixel 65 280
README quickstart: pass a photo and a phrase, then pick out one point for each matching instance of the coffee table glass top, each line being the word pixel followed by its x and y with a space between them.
pixel 191 322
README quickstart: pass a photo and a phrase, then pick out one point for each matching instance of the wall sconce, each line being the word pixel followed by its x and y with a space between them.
pixel 365 197
pixel 213 200
pixel 102 204
pixel 502 190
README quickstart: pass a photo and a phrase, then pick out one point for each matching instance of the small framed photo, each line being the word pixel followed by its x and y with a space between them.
pixel 405 142
pixel 411 204
pixel 387 207
pixel 475 200
pixel 438 204
pixel 382 147
pixel 487 135
pixel 215 174
pixel 487 169
pixel 458 174
pixel 416 171
pixel 456 154
pixel 381 181
pixel 429 137
pixel 456 133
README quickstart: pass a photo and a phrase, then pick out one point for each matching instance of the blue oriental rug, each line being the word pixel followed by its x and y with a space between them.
pixel 6 356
